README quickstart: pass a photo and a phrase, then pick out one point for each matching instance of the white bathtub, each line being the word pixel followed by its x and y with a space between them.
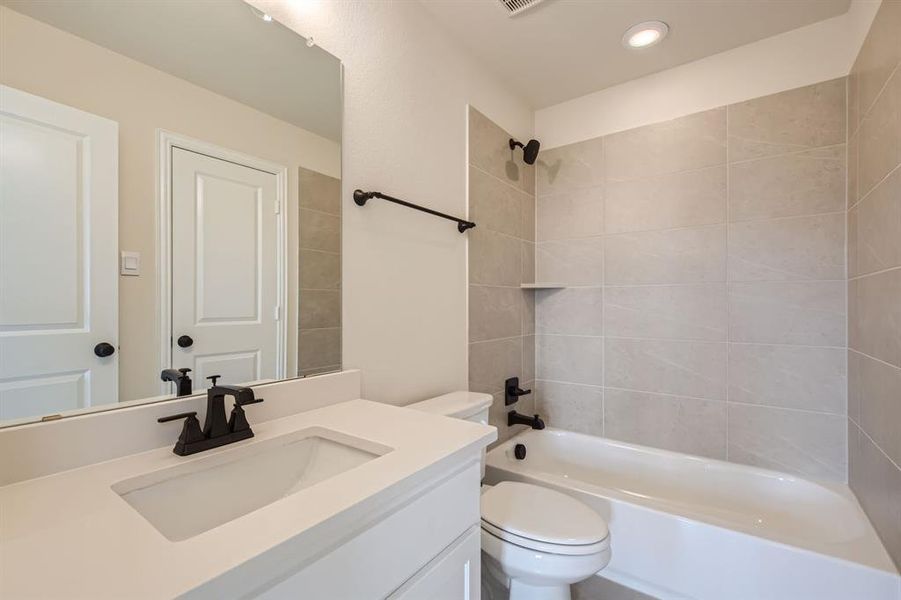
pixel 690 527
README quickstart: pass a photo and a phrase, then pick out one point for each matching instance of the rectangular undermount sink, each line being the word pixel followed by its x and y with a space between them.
pixel 204 493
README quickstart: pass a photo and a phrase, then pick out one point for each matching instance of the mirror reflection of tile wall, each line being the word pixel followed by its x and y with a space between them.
pixel 319 333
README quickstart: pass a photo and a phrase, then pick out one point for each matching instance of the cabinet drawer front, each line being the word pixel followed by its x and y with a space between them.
pixel 381 558
pixel 454 575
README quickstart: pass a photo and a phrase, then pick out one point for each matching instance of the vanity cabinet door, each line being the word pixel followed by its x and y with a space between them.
pixel 453 575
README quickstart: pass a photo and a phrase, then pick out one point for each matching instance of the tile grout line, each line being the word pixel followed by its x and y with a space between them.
pixel 848 264
pixel 604 183
pixel 728 283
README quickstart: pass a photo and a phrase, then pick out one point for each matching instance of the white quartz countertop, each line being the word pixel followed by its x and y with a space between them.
pixel 69 535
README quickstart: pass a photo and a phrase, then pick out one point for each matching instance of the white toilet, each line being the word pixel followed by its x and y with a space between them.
pixel 536 540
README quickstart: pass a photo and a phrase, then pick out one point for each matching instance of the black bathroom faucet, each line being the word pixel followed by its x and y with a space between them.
pixel 217 431
pixel 514 418
pixel 180 378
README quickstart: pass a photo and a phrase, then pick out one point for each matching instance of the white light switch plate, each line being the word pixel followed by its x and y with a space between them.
pixel 130 263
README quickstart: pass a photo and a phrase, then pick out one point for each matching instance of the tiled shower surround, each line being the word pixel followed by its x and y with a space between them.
pixel 501 258
pixel 874 276
pixel 704 262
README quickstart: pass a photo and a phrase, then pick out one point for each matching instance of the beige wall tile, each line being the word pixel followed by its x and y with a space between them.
pixel 572 262
pixel 880 404
pixel 806 443
pixel 696 369
pixel 880 137
pixel 790 312
pixel 494 312
pixel 529 217
pixel 852 171
pixel 319 192
pixel 528 262
pixel 318 348
pixel 874 228
pixel 670 422
pixel 784 249
pixel 528 359
pixel 491 363
pixel 320 270
pixel 569 358
pixel 571 406
pixel 493 204
pixel 880 53
pixel 320 308
pixel 874 324
pixel 805 183
pixel 854 385
pixel 494 259
pixel 684 199
pixel 489 150
pixel 528 311
pixel 877 484
pixel 800 377
pixel 853 101
pixel 676 256
pixel 320 231
pixel 851 242
pixel 571 167
pixel 679 312
pixel 570 311
pixel 575 214
pixel 690 142
pixel 798 119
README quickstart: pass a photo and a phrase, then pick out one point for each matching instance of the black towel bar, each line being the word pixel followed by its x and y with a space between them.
pixel 361 197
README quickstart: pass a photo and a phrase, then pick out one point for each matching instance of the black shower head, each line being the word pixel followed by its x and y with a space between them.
pixel 529 151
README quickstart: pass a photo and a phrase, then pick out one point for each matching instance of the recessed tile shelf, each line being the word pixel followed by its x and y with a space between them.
pixel 542 286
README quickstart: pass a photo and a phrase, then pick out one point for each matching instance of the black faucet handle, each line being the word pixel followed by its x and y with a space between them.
pixel 512 391
pixel 214 378
pixel 184 415
pixel 184 371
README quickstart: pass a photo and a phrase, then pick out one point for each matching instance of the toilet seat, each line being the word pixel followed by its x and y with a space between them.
pixel 543 520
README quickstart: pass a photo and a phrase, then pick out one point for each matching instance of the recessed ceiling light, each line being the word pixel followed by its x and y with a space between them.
pixel 267 18
pixel 645 34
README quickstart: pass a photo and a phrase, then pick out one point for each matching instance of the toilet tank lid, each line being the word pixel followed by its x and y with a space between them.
pixel 459 405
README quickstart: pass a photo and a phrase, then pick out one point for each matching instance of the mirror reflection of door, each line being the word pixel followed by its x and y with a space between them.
pixel 226 315
pixel 58 244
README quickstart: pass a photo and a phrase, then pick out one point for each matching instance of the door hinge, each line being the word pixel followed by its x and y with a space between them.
pixel 278 206
pixel 277 313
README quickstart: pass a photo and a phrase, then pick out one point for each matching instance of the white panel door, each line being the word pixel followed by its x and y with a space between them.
pixel 224 269
pixel 58 243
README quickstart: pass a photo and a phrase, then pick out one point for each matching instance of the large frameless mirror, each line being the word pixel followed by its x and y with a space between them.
pixel 169 202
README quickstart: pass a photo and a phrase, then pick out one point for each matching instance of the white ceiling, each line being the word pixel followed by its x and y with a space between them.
pixel 562 49
pixel 219 45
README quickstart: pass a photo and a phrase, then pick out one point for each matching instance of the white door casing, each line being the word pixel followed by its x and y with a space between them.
pixel 226 259
pixel 58 263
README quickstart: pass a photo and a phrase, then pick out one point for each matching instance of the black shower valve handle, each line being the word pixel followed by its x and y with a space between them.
pixel 513 391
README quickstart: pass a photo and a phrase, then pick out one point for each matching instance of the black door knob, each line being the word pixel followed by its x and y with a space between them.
pixel 103 349
pixel 185 341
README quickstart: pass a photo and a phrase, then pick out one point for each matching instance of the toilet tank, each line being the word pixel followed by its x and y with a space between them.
pixel 469 406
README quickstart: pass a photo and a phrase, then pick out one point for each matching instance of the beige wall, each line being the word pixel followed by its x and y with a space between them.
pixel 45 61
pixel 407 84
pixel 706 307
pixel 501 258
pixel 874 276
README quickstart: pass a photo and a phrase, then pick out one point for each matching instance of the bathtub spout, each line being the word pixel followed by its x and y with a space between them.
pixel 514 418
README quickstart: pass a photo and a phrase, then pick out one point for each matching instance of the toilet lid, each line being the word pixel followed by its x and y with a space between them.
pixel 541 514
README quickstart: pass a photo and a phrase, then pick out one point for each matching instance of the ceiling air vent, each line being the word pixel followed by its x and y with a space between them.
pixel 515 7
